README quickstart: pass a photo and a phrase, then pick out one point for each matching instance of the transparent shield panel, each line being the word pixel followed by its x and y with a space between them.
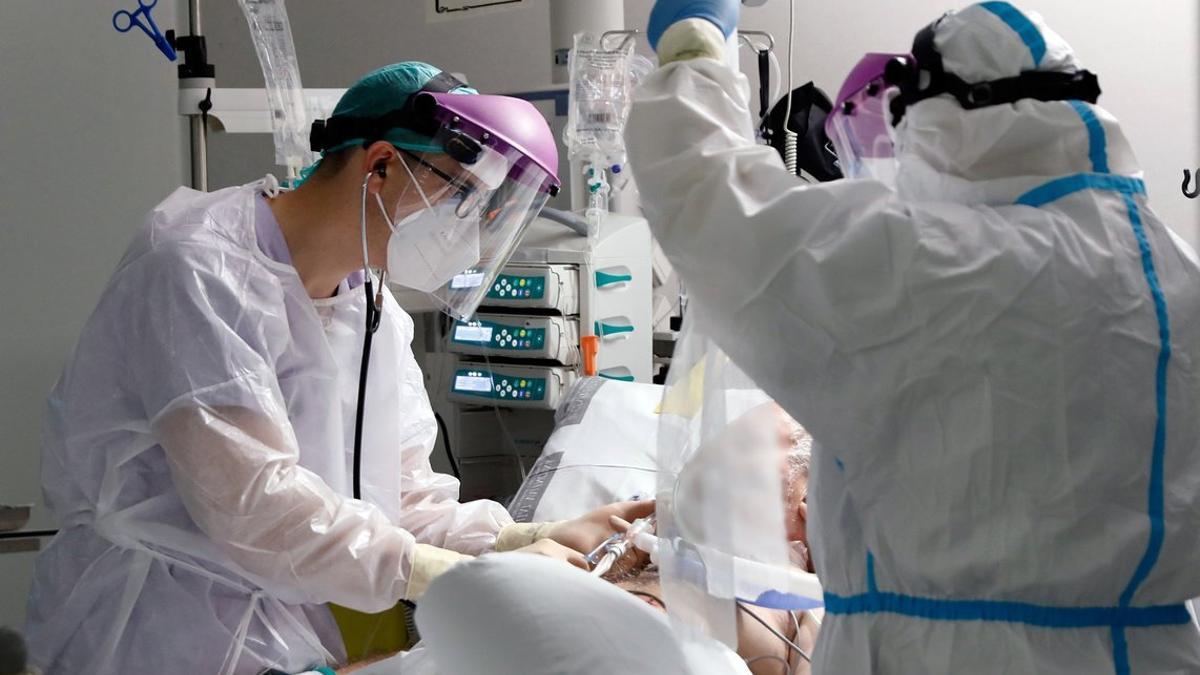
pixel 729 491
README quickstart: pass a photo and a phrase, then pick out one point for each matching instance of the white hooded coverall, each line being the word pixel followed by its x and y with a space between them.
pixel 997 361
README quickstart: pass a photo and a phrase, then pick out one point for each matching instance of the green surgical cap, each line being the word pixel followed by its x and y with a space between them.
pixel 380 92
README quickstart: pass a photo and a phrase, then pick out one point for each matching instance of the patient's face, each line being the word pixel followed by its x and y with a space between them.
pixel 640 580
pixel 795 445
pixel 753 639
pixel 796 519
pixel 634 572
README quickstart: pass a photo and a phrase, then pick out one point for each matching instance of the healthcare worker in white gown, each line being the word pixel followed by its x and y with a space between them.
pixel 197 450
pixel 997 357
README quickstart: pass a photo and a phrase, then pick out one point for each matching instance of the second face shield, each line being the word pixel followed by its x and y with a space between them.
pixel 860 124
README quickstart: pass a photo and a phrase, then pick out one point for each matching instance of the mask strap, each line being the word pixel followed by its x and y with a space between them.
pixel 383 210
pixel 415 182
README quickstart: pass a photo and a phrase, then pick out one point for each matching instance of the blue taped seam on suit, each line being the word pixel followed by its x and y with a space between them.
pixel 1022 26
pixel 1155 497
pixel 1097 142
pixel 1061 187
pixel 1155 506
pixel 875 601
pixel 1029 614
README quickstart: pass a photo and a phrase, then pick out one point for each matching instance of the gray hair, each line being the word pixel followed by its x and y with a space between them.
pixel 799 455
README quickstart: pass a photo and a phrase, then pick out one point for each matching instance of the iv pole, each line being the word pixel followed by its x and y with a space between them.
pixel 196 75
pixel 199 121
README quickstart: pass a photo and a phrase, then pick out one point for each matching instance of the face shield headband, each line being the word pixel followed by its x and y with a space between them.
pixel 924 76
pixel 331 133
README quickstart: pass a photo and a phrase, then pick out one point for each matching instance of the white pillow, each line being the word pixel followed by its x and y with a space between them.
pixel 524 614
pixel 603 449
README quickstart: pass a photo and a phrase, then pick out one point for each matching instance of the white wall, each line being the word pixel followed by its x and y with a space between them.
pixel 1147 56
pixel 90 141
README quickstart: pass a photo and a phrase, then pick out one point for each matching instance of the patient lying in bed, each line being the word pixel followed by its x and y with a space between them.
pixel 515 613
pixel 759 630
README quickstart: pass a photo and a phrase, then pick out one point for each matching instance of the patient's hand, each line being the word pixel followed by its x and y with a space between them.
pixel 553 549
pixel 590 530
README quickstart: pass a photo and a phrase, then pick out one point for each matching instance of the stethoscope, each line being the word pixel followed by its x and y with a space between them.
pixel 374 300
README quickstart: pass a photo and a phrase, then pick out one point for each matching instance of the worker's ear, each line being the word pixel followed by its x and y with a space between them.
pixel 376 161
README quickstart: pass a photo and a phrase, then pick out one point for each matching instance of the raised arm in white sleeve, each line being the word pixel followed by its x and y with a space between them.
pixel 785 273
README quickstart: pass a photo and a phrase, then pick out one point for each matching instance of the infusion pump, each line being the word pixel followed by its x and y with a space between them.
pixel 523 347
pixel 497 378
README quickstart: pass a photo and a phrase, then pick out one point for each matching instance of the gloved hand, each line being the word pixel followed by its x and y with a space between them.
pixel 634 558
pixel 722 13
pixel 591 529
pixel 555 550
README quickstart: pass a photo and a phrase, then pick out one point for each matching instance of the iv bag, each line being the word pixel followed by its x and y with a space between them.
pixel 601 88
pixel 272 36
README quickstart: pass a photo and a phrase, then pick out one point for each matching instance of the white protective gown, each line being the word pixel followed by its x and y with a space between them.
pixel 197 455
pixel 998 364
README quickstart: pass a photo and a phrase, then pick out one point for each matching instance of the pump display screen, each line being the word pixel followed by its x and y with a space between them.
pixel 478 334
pixel 509 337
pixel 473 383
pixel 500 386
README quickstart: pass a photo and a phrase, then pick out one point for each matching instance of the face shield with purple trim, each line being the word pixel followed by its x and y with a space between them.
pixel 497 169
pixel 860 124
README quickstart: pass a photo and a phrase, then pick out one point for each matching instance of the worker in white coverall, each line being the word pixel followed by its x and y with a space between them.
pixel 990 335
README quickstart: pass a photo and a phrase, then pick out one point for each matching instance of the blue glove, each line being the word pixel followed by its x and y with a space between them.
pixel 722 13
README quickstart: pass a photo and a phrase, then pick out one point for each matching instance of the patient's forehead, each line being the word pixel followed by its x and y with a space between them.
pixel 793 437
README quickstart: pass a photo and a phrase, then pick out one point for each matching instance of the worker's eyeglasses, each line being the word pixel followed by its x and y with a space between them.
pixel 469 200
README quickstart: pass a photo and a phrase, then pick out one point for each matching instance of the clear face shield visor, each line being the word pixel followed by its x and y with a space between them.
pixel 860 124
pixel 462 219
pixel 732 484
